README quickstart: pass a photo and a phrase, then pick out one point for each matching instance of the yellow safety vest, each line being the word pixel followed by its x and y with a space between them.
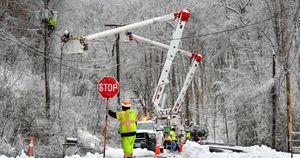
pixel 173 136
pixel 52 22
pixel 127 121
pixel 188 135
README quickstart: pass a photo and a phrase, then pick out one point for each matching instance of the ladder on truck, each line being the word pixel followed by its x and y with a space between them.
pixel 295 140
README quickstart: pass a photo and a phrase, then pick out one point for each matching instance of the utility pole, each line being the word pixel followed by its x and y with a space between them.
pixel 46 64
pixel 117 56
pixel 274 107
pixel 287 75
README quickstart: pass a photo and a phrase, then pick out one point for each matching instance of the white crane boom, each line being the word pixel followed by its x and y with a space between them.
pixel 163 80
pixel 195 63
pixel 131 26
pixel 78 44
pixel 164 46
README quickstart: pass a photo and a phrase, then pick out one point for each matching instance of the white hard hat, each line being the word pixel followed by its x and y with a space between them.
pixel 126 103
pixel 66 32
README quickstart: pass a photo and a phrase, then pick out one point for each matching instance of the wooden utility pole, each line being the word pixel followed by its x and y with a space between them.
pixel 46 64
pixel 118 63
pixel 117 56
pixel 274 107
pixel 287 75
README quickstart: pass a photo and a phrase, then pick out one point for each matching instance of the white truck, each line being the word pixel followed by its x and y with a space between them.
pixel 146 135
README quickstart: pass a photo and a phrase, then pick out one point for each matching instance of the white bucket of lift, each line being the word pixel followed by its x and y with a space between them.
pixel 72 47
pixel 123 37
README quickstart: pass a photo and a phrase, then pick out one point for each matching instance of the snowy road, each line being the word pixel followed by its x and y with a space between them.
pixel 191 150
pixel 194 150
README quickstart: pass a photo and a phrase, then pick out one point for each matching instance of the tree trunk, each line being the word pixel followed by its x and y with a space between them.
pixel 225 119
pixel 274 107
pixel 215 117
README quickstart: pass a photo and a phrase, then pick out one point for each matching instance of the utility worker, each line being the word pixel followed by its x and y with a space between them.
pixel 188 134
pixel 51 23
pixel 66 36
pixel 173 139
pixel 127 127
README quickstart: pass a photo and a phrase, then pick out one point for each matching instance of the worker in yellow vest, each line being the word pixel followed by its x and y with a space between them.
pixel 127 127
pixel 173 139
pixel 188 134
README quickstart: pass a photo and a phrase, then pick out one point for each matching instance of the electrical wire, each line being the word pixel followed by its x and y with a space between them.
pixel 69 66
pixel 13 38
pixel 40 52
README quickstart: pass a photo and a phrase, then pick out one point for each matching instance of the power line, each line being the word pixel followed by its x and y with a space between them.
pixel 53 56
pixel 186 37
pixel 227 30
pixel 37 51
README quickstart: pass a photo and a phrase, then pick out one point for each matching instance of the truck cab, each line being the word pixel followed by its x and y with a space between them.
pixel 145 135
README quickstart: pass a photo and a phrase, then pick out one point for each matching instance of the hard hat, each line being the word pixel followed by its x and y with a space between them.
pixel 66 32
pixel 126 103
pixel 173 128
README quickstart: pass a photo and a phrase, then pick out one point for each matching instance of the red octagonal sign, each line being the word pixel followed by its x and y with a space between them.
pixel 108 87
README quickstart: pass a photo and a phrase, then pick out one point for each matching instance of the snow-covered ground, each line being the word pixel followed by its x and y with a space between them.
pixel 192 150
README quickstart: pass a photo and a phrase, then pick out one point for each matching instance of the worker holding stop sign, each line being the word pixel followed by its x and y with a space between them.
pixel 108 87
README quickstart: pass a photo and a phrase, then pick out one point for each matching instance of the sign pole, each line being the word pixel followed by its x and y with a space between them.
pixel 108 87
pixel 105 127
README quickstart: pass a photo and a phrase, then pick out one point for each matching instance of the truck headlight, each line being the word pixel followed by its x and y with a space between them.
pixel 152 136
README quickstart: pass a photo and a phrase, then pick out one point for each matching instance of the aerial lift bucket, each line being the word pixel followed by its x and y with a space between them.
pixel 73 46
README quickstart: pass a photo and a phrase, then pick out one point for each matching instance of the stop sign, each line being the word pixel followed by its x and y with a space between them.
pixel 108 87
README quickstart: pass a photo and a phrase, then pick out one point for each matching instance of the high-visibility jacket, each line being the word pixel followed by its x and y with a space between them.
pixel 188 135
pixel 52 22
pixel 127 121
pixel 173 136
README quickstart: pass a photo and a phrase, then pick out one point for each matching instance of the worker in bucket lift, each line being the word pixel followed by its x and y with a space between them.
pixel 51 23
pixel 173 139
pixel 127 128
pixel 66 36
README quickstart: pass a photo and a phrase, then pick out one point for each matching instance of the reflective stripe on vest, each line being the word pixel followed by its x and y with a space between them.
pixel 127 121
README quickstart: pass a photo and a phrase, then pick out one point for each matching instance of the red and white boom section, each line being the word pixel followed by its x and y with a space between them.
pixel 195 63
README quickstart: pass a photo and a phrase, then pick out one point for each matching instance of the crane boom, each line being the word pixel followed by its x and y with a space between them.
pixel 163 80
pixel 131 26
pixel 174 111
pixel 177 106
pixel 183 52
pixel 78 44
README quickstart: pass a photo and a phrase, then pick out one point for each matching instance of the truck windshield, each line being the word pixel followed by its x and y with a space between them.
pixel 145 126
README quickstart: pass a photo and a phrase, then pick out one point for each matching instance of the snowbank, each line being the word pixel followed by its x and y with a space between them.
pixel 192 150
pixel 23 155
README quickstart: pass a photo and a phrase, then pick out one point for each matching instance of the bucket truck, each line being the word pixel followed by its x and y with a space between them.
pixel 165 116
